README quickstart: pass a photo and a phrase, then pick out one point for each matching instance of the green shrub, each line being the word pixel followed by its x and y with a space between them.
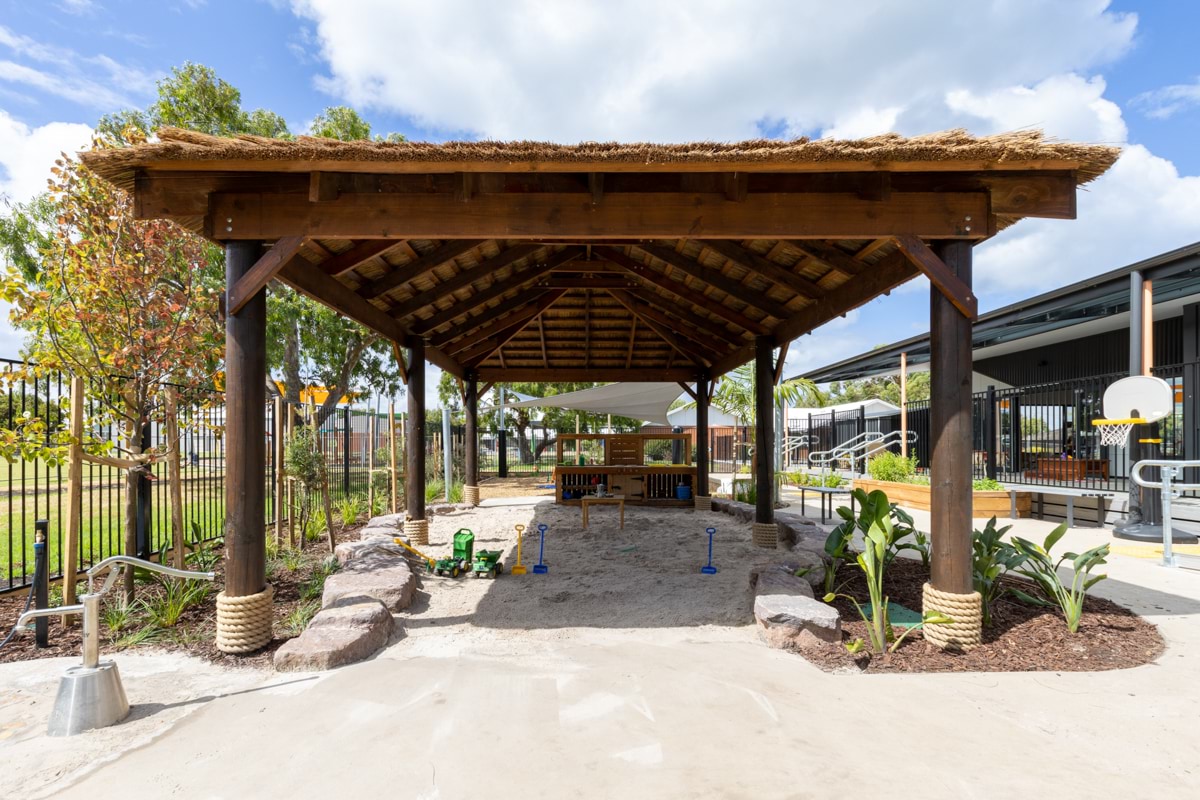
pixel 992 559
pixel 888 466
pixel 882 541
pixel 870 508
pixel 1042 569
pixel 350 507
pixel 986 485
pixel 456 492
pixel 434 490
pixel 295 622
pixel 165 608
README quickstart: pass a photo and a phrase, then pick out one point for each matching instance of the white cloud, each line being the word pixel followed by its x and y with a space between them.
pixel 1168 101
pixel 1067 106
pixel 1140 208
pixel 27 154
pixel 96 81
pixel 665 70
pixel 78 6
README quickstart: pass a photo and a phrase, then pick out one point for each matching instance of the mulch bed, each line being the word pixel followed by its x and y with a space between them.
pixel 1021 638
pixel 195 633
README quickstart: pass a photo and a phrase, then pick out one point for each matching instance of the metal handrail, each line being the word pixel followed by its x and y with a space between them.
pixel 89 604
pixel 1168 471
pixel 855 450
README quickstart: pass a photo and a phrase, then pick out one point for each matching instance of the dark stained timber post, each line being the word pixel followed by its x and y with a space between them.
pixel 950 591
pixel 950 430
pixel 701 488
pixel 766 533
pixel 471 440
pixel 415 525
pixel 245 431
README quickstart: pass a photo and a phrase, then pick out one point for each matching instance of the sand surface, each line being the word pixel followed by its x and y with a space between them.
pixel 645 577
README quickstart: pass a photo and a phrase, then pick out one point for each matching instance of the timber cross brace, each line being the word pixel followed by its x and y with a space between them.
pixel 528 261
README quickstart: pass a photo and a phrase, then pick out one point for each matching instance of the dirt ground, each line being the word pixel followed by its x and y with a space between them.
pixel 517 486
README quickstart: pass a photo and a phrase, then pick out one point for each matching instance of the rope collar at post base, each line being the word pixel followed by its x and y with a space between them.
pixel 966 610
pixel 244 623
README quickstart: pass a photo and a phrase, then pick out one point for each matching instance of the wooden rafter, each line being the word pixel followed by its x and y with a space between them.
pixel 694 341
pixel 474 348
pixel 464 279
pixel 401 363
pixel 699 329
pixel 632 338
pixel 415 269
pixel 517 280
pixel 267 267
pixel 460 337
pixel 715 279
pixel 776 273
pixel 312 282
pixel 830 256
pixel 884 276
pixel 940 275
pixel 542 337
pixel 679 289
pixel 872 247
pixel 356 256
pixel 690 391
pixel 779 362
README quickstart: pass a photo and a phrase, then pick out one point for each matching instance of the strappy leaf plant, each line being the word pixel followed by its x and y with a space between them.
pixel 1042 568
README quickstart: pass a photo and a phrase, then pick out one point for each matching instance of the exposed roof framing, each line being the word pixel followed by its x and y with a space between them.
pixel 530 261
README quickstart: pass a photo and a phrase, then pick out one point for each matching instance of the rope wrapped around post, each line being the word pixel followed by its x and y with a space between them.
pixel 765 534
pixel 703 503
pixel 244 623
pixel 471 495
pixel 417 530
pixel 966 631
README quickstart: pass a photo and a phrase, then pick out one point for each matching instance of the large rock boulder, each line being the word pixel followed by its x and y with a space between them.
pixel 788 615
pixel 810 564
pixel 349 631
pixel 379 551
pixel 389 580
pixel 797 531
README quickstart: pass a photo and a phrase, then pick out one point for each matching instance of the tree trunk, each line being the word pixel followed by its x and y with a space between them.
pixel 133 437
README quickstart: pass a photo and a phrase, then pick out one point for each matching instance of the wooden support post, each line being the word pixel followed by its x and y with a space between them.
pixel 245 454
pixel 280 409
pixel 71 546
pixel 702 455
pixel 290 428
pixel 950 430
pixel 764 441
pixel 174 477
pixel 393 470
pixel 414 451
pixel 471 440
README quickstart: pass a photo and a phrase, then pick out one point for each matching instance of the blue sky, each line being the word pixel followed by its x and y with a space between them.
pixel 1122 73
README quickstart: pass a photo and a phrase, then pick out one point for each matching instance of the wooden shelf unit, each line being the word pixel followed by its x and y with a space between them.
pixel 624 471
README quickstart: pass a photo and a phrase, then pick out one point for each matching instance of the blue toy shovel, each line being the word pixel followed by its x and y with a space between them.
pixel 709 569
pixel 539 568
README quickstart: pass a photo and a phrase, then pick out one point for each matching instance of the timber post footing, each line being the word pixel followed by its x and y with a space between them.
pixel 471 495
pixel 765 534
pixel 244 623
pixel 417 530
pixel 703 503
pixel 966 631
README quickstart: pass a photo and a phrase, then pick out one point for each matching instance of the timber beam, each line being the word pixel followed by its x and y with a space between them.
pixel 605 374
pixel 356 256
pixel 714 336
pixel 463 280
pixel 415 269
pixel 776 273
pixel 634 215
pixel 713 277
pixel 310 281
pixel 493 329
pixel 884 276
pixel 260 274
pixel 681 290
pixel 947 282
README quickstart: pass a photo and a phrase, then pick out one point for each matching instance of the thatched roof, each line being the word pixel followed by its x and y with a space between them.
pixel 936 151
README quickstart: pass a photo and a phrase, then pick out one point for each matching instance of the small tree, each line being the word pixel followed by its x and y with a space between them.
pixel 129 305
pixel 305 464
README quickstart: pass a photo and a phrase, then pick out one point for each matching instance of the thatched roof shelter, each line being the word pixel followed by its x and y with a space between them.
pixel 530 260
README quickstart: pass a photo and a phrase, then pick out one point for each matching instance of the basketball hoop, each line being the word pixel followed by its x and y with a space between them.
pixel 1115 432
pixel 1136 400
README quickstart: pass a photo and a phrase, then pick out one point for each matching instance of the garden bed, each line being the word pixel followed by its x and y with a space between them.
pixel 984 504
pixel 295 580
pixel 1021 638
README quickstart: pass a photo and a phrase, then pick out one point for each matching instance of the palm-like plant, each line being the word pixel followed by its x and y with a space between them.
pixel 734 393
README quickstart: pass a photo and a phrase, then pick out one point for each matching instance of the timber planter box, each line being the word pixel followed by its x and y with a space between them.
pixel 984 505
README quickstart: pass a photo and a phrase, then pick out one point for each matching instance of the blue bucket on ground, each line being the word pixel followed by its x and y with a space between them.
pixel 683 492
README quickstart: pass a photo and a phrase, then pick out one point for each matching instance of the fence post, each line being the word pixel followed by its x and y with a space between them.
pixel 277 458
pixel 371 465
pixel 71 546
pixel 144 545
pixel 862 421
pixel 989 431
pixel 346 439
pixel 174 477
pixel 394 483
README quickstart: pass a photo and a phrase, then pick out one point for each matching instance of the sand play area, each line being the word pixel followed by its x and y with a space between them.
pixel 645 576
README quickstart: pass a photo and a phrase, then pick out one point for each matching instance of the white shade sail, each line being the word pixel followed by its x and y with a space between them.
pixel 644 401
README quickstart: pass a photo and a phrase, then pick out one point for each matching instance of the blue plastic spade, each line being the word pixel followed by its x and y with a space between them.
pixel 539 568
pixel 709 569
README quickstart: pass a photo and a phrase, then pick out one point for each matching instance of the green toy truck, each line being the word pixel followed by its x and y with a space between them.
pixel 459 561
pixel 487 564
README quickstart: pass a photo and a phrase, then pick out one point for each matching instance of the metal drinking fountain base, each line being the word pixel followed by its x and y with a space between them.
pixel 88 698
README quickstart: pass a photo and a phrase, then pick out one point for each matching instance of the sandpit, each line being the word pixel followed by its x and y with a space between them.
pixel 645 577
